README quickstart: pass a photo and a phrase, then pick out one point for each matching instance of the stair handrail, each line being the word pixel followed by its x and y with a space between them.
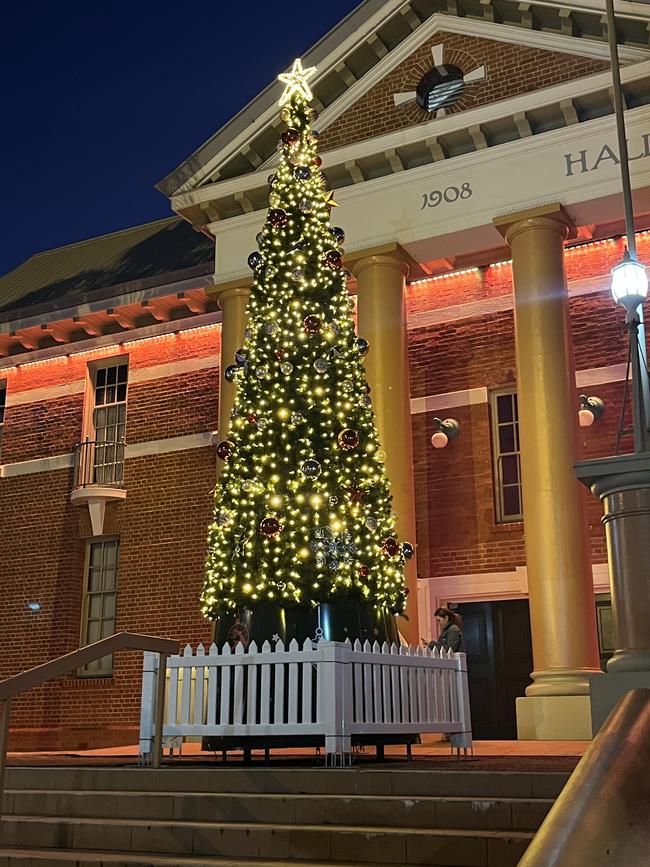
pixel 602 800
pixel 19 683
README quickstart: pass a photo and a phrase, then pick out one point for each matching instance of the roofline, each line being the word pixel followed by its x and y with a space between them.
pixel 255 109
pixel 270 95
pixel 92 238
pixel 114 292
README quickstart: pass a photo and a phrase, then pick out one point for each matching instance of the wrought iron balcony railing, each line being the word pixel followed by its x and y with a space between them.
pixel 99 463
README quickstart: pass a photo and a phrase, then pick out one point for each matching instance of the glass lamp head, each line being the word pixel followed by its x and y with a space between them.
pixel 629 283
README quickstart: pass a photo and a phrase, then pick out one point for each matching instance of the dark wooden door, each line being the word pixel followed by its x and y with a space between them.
pixel 499 662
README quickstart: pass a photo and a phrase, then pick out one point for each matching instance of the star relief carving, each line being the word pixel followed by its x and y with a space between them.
pixel 296 81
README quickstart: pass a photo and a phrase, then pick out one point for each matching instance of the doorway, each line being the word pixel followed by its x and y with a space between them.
pixel 499 662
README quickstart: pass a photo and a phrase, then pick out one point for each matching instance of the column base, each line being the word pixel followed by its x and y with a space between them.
pixel 554 718
pixel 608 689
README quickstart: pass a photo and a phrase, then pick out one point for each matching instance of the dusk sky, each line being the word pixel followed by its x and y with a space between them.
pixel 101 101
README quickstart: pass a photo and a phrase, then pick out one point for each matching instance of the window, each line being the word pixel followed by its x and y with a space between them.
pixel 109 422
pixel 100 595
pixel 505 455
pixel 3 402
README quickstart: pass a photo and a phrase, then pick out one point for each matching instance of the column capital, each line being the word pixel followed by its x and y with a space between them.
pixel 388 255
pixel 230 293
pixel 550 217
pixel 217 290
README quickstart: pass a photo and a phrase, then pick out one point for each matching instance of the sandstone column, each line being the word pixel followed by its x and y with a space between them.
pixel 560 583
pixel 233 302
pixel 382 321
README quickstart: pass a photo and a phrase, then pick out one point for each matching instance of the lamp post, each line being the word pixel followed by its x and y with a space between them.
pixel 622 482
pixel 629 279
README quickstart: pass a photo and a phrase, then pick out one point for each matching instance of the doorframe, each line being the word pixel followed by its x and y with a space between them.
pixel 437 591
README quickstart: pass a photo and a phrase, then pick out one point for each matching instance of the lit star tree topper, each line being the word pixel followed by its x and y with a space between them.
pixel 303 506
pixel 296 82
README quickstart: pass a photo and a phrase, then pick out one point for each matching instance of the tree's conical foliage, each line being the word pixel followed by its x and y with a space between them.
pixel 303 507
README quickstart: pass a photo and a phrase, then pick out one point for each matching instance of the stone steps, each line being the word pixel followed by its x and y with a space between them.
pixel 339 843
pixel 296 781
pixel 80 858
pixel 517 814
pixel 258 817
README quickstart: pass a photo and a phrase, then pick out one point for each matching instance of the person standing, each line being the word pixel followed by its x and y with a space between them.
pixel 450 636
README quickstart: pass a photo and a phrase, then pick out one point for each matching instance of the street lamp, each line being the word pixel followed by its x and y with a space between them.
pixel 629 278
pixel 629 284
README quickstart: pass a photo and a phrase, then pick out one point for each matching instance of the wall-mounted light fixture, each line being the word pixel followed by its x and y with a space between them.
pixel 591 409
pixel 445 430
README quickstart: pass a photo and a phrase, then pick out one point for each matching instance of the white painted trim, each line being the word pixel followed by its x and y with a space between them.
pixel 600 375
pixel 435 402
pixel 484 587
pixel 168 445
pixel 49 392
pixel 173 368
pixel 469 310
pixel 139 450
pixel 497 304
pixel 413 134
pixel 587 378
pixel 41 465
pixel 237 234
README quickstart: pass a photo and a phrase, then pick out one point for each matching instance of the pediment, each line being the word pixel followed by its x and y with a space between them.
pixel 493 69
pixel 381 51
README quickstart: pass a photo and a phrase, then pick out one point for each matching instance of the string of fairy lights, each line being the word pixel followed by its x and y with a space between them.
pixel 303 504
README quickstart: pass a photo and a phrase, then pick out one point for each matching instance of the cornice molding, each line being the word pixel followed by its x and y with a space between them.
pixel 349 40
pixel 411 135
pixel 440 23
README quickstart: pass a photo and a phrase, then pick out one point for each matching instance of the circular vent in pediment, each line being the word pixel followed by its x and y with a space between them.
pixel 441 87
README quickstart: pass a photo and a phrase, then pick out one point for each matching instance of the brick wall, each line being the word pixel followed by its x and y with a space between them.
pixel 456 528
pixel 511 70
pixel 162 523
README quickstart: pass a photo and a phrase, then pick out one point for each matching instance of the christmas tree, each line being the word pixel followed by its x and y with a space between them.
pixel 303 506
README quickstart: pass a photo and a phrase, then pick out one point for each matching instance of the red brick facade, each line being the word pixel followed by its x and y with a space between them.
pixel 162 523
pixel 161 526
pixel 512 70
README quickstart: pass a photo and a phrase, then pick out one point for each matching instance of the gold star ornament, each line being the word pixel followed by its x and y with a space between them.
pixel 296 81
pixel 329 199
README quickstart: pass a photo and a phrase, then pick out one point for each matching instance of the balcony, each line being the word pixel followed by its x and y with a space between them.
pixel 98 478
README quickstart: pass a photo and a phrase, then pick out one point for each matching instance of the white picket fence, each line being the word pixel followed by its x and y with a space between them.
pixel 330 690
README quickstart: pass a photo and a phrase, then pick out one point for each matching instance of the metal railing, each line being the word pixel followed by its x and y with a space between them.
pixel 99 463
pixel 601 815
pixel 20 683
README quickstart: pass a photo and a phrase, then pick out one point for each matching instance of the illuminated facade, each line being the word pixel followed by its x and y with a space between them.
pixel 466 145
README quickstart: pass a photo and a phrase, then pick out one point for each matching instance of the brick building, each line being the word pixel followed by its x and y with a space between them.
pixel 443 125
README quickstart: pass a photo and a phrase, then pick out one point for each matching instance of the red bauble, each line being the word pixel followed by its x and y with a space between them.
pixel 270 527
pixel 364 571
pixel 390 547
pixel 224 450
pixel 251 418
pixel 318 161
pixel 333 259
pixel 348 439
pixel 290 137
pixel 311 324
pixel 279 354
pixel 278 217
